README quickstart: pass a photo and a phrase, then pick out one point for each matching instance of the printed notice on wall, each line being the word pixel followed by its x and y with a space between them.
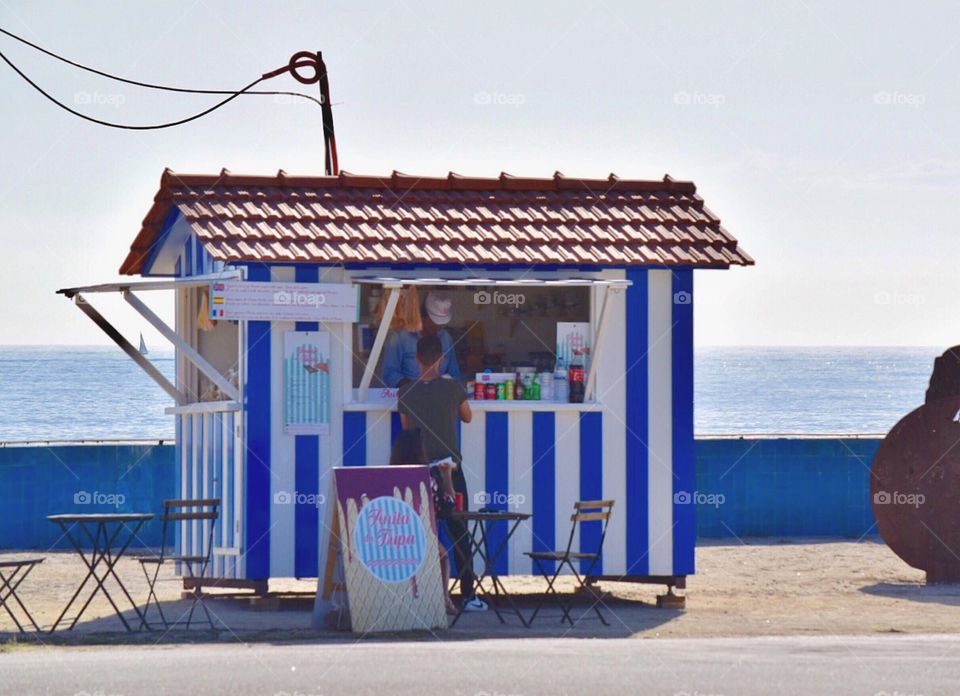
pixel 573 343
pixel 268 301
pixel 306 382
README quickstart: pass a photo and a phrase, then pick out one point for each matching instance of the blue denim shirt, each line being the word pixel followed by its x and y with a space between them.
pixel 400 357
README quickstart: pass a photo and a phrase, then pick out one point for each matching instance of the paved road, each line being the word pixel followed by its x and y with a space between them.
pixel 896 665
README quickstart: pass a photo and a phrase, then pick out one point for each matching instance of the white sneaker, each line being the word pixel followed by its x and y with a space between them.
pixel 475 604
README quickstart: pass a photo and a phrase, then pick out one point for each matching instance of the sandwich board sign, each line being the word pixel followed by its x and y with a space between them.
pixel 381 559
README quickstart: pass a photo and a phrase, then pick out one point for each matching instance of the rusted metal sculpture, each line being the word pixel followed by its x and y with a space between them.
pixel 915 482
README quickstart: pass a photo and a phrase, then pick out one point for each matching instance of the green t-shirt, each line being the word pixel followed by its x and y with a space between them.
pixel 434 408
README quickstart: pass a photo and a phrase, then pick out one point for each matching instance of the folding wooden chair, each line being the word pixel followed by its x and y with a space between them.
pixel 174 511
pixel 583 511
pixel 12 573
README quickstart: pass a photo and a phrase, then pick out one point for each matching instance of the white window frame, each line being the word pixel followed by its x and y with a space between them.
pixel 398 280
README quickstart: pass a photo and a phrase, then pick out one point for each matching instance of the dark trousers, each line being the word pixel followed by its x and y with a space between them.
pixel 460 536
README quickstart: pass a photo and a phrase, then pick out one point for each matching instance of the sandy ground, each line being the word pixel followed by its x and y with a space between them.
pixel 764 587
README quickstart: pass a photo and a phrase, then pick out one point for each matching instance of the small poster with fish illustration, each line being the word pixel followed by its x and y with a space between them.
pixel 306 382
pixel 573 343
pixel 389 548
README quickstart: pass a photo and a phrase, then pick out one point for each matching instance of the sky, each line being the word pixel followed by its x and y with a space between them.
pixel 823 134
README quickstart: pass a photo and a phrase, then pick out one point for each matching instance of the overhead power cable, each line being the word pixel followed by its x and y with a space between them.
pixel 300 60
pixel 149 85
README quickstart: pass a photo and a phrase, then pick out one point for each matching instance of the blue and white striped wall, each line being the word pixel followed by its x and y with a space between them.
pixel 635 447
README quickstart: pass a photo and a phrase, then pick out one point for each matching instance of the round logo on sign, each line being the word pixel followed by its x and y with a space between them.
pixel 390 539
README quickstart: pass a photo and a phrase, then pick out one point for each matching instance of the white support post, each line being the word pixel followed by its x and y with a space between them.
pixel 188 351
pixel 388 311
pixel 598 342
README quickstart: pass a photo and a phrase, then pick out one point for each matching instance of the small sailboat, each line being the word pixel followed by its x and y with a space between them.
pixel 143 346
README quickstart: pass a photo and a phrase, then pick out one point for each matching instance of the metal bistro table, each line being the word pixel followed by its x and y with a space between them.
pixel 477 524
pixel 104 532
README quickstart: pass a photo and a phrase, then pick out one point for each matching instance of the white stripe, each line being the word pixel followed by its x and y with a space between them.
pixel 283 477
pixel 378 438
pixel 473 446
pixel 567 476
pixel 660 437
pixel 209 441
pixel 520 485
pixel 612 392
pixel 194 537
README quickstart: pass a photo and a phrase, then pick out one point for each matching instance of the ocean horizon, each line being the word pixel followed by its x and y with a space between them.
pixel 97 393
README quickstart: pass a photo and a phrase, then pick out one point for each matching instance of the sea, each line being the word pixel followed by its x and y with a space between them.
pixel 66 393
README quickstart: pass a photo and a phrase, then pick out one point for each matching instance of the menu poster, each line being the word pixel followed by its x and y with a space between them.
pixel 573 343
pixel 389 548
pixel 275 301
pixel 306 382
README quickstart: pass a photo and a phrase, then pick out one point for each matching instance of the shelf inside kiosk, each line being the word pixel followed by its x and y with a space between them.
pixel 511 342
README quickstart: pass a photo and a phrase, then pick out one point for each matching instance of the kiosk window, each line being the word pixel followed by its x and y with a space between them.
pixel 497 328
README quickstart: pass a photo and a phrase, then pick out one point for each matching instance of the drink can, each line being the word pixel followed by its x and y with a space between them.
pixel 479 391
pixel 471 389
pixel 501 391
pixel 509 390
pixel 491 391
pixel 458 502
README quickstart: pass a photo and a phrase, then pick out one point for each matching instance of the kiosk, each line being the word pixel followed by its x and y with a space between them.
pixel 596 272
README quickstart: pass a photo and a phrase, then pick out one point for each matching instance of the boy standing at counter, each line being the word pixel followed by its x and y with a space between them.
pixel 435 405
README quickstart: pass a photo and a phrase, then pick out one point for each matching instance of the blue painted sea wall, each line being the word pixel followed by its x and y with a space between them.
pixel 77 479
pixel 783 487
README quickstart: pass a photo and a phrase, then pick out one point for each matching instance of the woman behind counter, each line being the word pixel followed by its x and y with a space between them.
pixel 400 350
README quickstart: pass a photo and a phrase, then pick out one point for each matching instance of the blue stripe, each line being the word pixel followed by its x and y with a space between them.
pixel 160 240
pixel 544 484
pixel 395 426
pixel 684 471
pixel 591 482
pixel 257 546
pixel 306 538
pixel 354 438
pixel 188 257
pixel 638 331
pixel 497 479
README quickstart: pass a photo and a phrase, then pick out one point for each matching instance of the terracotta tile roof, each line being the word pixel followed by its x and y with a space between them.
pixel 407 219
